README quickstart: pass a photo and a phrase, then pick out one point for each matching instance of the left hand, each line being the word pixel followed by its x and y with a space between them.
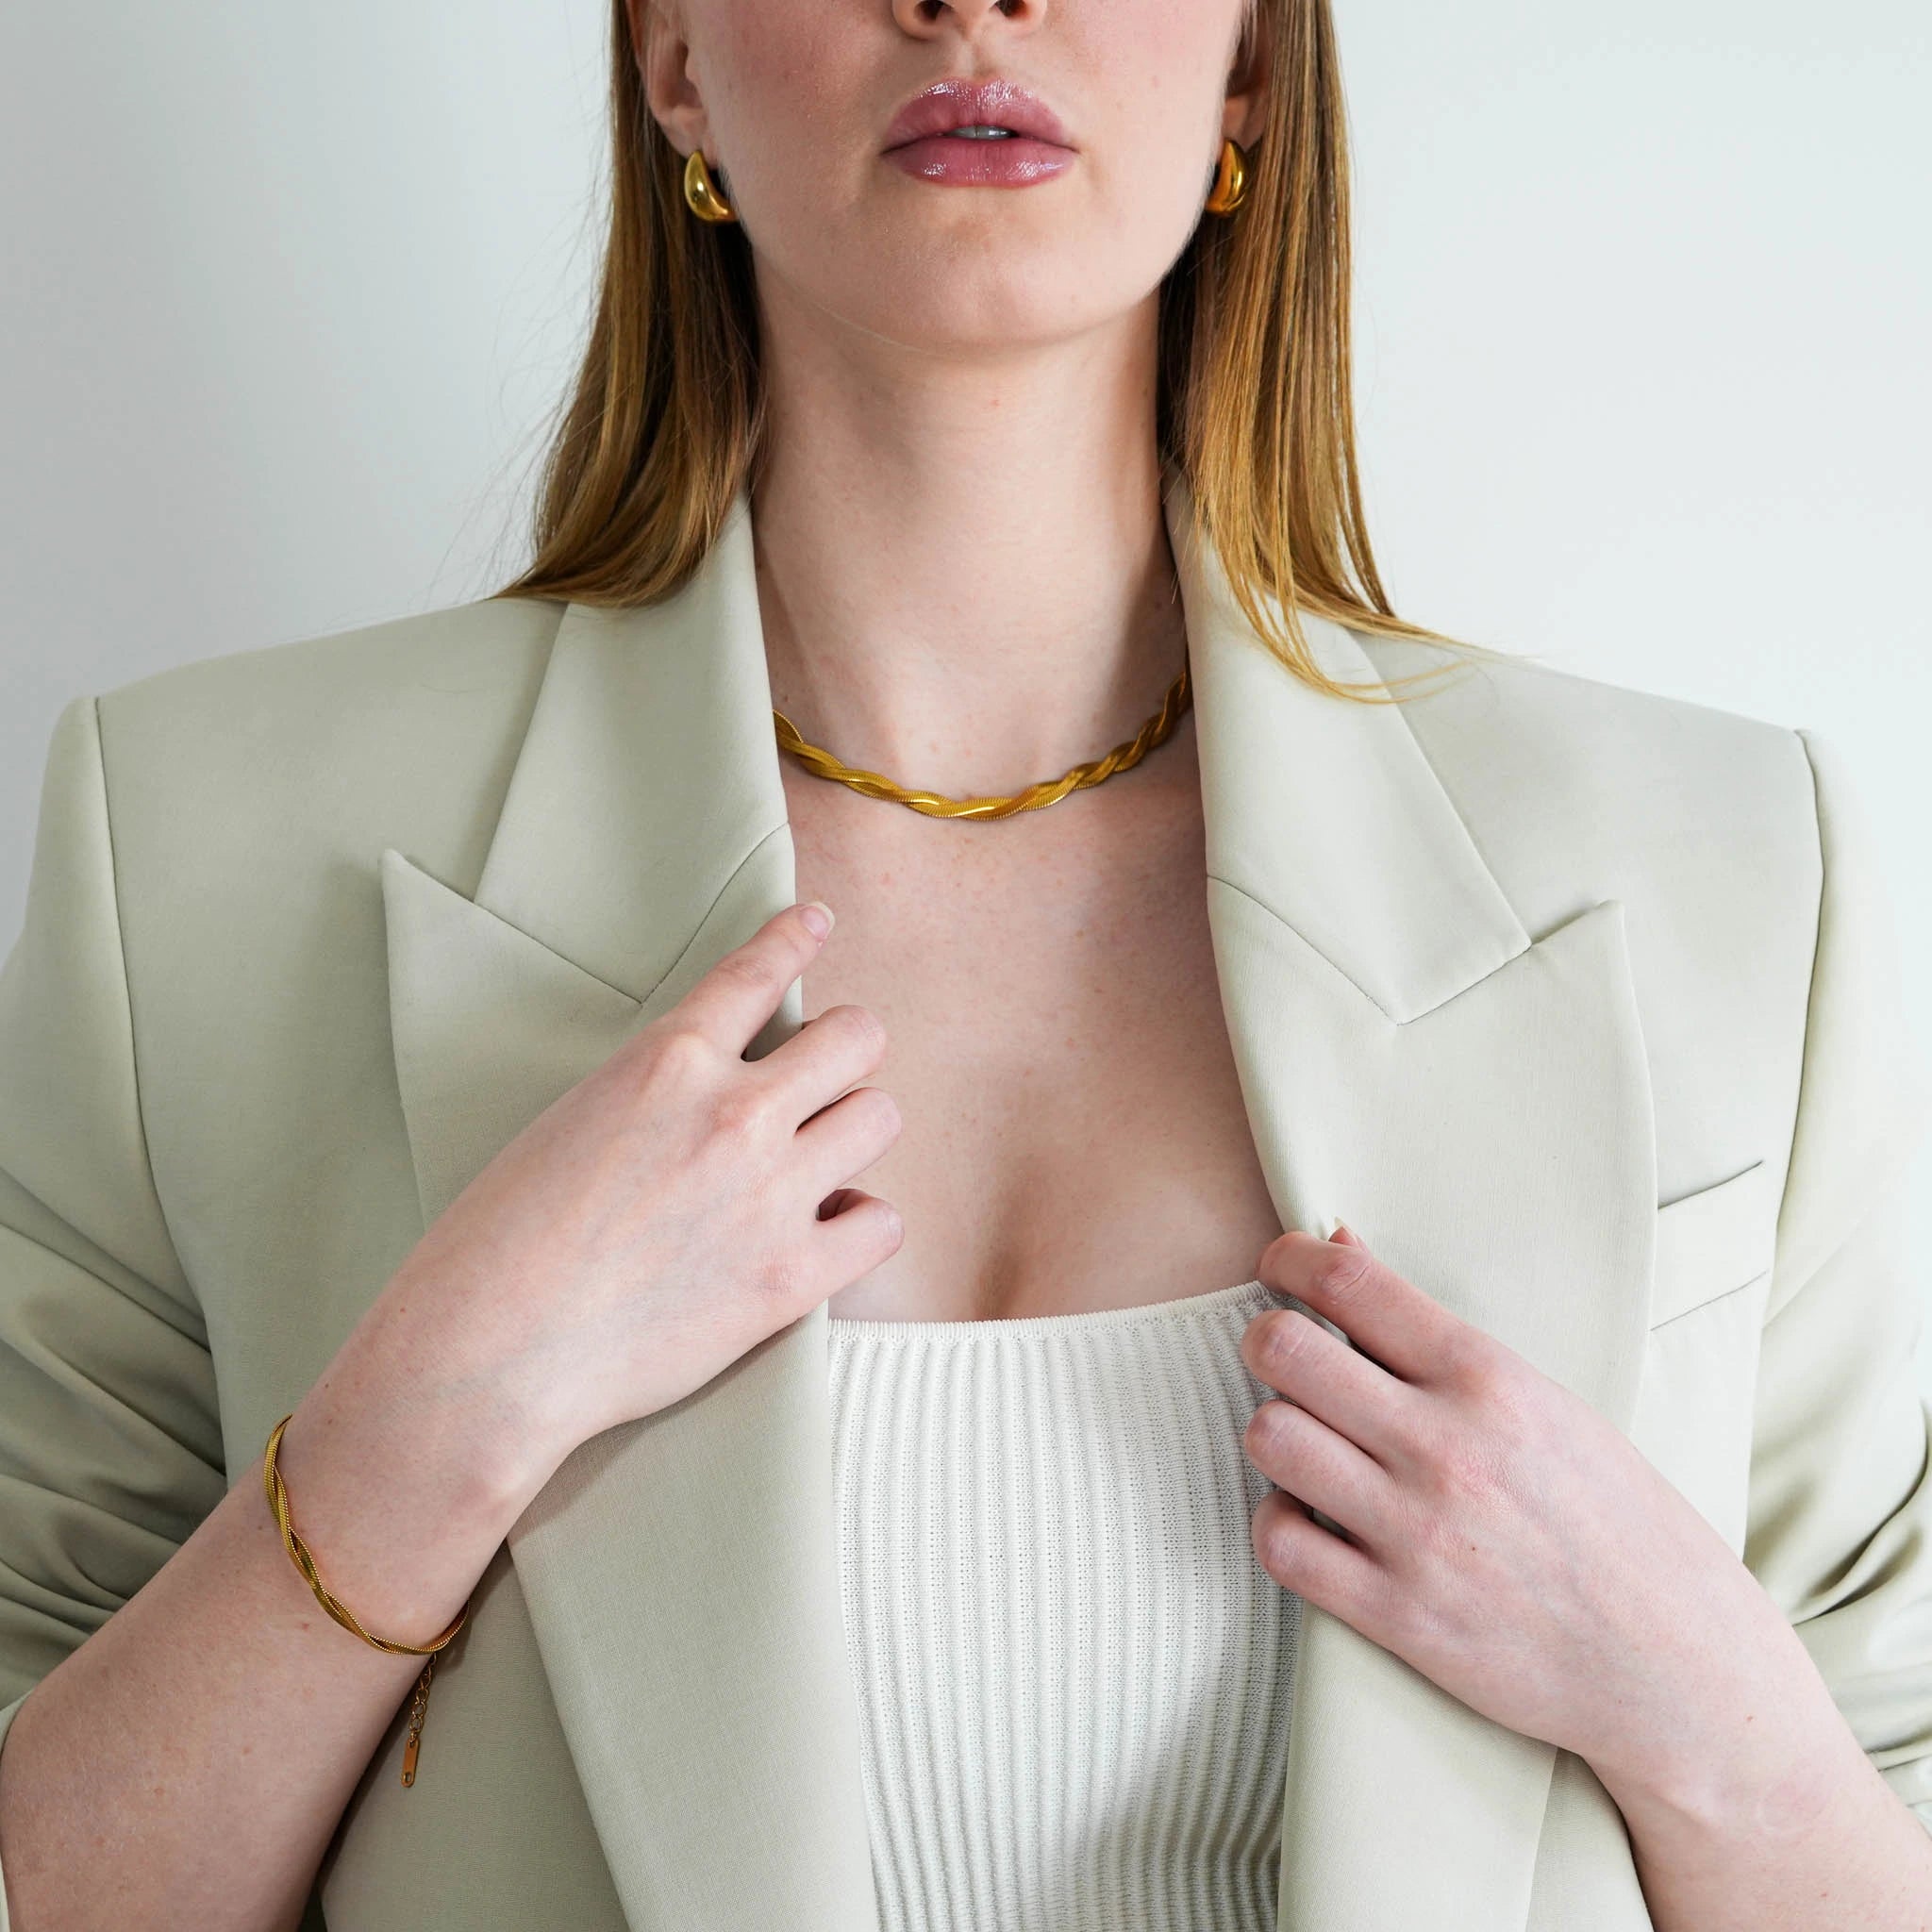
pixel 1501 1535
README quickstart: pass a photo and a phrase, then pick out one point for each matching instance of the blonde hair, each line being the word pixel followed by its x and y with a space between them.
pixel 666 419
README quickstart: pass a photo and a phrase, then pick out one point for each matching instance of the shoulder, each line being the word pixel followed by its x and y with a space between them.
pixel 433 679
pixel 1556 771
pixel 1704 823
pixel 405 727
pixel 248 794
pixel 1568 741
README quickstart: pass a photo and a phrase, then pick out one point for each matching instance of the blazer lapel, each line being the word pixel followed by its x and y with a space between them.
pixel 679 1569
pixel 1475 1102
pixel 1476 1105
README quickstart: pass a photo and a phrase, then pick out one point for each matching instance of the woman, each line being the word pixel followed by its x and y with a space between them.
pixel 427 1210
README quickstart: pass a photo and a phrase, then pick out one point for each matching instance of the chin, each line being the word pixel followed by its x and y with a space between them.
pixel 997 303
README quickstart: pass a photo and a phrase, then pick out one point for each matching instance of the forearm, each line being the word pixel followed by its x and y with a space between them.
pixel 1786 1825
pixel 188 1764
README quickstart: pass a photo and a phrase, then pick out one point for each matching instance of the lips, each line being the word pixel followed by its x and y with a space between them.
pixel 949 103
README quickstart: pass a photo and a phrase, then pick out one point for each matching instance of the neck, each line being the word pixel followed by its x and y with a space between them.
pixel 963 570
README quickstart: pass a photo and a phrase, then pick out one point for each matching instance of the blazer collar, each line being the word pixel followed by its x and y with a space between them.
pixel 1473 1101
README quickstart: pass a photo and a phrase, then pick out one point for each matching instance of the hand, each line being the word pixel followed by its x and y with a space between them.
pixel 675 1207
pixel 1492 1529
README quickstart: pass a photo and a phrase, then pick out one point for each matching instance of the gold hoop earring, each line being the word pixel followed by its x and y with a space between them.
pixel 701 191
pixel 1230 180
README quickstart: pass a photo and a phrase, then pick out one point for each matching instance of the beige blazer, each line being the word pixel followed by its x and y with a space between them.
pixel 1582 1004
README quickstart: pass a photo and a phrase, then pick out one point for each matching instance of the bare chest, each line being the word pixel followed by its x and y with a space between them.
pixel 1074 1135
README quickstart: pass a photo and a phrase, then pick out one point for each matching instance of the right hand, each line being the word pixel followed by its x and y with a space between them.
pixel 675 1207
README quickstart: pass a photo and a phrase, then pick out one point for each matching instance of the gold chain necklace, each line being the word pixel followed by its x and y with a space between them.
pixel 1123 757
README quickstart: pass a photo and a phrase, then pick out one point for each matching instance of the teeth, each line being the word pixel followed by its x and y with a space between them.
pixel 979 132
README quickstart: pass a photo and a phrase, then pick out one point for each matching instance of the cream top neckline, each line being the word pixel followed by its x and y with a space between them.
pixel 1017 1328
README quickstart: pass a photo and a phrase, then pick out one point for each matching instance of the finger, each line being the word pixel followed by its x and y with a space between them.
pixel 832 1051
pixel 1314 1562
pixel 1351 1395
pixel 1410 1333
pixel 860 1231
pixel 1303 1455
pixel 732 1001
pixel 846 1137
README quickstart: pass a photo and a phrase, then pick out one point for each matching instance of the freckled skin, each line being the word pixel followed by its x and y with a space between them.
pixel 1074 1131
pixel 1074 1135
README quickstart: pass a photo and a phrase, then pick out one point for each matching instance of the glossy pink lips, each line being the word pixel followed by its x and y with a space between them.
pixel 921 142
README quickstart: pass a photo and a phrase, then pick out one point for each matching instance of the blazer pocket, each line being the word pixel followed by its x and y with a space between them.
pixel 1712 1243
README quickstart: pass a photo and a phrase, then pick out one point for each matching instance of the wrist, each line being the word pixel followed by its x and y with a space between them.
pixel 1758 1752
pixel 482 1424
pixel 399 1483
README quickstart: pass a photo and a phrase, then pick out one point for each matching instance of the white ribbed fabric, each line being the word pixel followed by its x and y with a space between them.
pixel 1073 1673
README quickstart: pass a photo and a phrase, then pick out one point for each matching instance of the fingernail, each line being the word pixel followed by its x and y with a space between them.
pixel 1341 1229
pixel 818 916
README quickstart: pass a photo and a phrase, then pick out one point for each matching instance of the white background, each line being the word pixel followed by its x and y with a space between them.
pixel 1644 296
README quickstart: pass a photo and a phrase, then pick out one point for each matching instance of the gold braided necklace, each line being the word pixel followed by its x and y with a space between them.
pixel 1123 757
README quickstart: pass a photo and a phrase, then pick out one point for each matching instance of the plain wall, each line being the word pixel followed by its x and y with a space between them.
pixel 1643 300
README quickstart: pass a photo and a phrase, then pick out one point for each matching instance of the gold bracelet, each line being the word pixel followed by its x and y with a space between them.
pixel 298 1551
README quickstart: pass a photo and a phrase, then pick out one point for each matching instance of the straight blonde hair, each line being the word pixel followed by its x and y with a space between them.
pixel 1255 407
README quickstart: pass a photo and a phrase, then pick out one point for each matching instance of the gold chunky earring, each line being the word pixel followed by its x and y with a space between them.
pixel 1230 180
pixel 701 191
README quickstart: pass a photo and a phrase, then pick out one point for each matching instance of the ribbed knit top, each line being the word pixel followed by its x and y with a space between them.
pixel 1073 1672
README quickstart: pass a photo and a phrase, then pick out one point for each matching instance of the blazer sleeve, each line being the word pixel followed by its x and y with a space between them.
pixel 110 1448
pixel 1840 1523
